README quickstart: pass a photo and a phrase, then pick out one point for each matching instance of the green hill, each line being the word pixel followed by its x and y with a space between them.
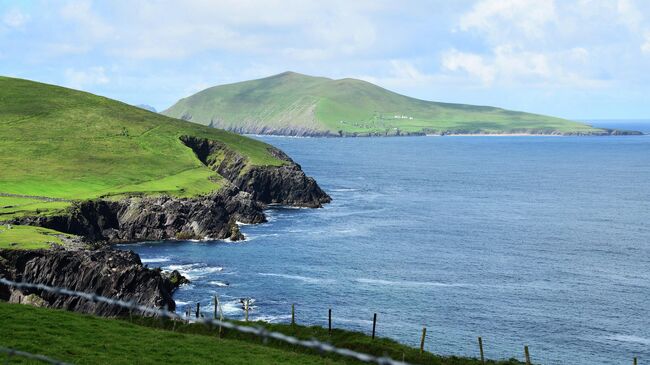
pixel 295 104
pixel 59 145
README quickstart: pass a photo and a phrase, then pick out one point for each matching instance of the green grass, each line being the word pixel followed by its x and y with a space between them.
pixel 28 237
pixel 63 143
pixel 84 339
pixel 16 207
pixel 291 100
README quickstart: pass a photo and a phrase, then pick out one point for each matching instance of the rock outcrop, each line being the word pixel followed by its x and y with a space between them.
pixel 111 273
pixel 157 218
pixel 249 190
pixel 286 184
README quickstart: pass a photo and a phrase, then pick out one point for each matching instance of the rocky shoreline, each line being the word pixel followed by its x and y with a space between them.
pixel 103 222
pixel 297 132
pixel 111 273
pixel 215 216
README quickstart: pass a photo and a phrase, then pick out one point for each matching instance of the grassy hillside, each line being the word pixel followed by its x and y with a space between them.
pixel 68 145
pixel 290 102
pixel 84 339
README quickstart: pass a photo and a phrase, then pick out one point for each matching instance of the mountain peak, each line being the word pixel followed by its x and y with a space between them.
pixel 290 74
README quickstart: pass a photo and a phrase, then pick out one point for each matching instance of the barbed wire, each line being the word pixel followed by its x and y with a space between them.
pixel 257 331
pixel 13 352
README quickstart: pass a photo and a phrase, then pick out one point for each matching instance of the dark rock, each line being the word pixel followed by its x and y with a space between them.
pixel 175 279
pixel 157 218
pixel 286 184
pixel 214 216
pixel 111 273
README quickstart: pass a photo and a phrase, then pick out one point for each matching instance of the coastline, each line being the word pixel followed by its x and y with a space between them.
pixel 609 133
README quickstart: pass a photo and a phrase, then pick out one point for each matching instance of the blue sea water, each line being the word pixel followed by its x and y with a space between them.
pixel 538 241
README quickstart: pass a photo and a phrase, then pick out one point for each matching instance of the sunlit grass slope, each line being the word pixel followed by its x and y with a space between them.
pixel 28 237
pixel 294 101
pixel 62 143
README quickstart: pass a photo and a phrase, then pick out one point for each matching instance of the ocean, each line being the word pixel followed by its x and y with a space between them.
pixel 538 241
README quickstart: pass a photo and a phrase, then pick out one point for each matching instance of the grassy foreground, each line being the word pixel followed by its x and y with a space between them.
pixel 84 339
pixel 291 101
pixel 67 144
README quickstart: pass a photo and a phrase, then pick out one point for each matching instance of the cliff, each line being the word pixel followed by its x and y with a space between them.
pixel 249 189
pixel 286 184
pixel 156 218
pixel 111 273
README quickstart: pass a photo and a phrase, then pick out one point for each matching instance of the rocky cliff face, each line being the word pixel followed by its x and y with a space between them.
pixel 286 184
pixel 157 218
pixel 250 189
pixel 110 273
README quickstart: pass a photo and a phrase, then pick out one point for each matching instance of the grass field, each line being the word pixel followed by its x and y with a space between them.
pixel 28 237
pixel 62 143
pixel 295 101
pixel 84 339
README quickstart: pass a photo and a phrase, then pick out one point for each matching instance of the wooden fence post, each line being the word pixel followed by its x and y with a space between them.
pixel 246 303
pixel 330 321
pixel 424 334
pixel 374 325
pixel 216 305
pixel 198 308
pixel 480 347
pixel 293 314
pixel 220 314
pixel 527 355
pixel 635 361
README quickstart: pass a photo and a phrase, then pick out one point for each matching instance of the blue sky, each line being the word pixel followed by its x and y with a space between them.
pixel 577 59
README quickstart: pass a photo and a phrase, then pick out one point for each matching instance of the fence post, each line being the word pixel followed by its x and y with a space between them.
pixel 527 355
pixel 293 314
pixel 480 347
pixel 424 334
pixel 635 361
pixel 220 314
pixel 216 305
pixel 374 325
pixel 198 307
pixel 330 321
pixel 246 308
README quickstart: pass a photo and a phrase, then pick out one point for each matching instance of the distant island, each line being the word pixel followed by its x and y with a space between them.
pixel 293 104
pixel 147 107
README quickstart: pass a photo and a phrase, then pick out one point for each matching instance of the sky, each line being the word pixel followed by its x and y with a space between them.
pixel 577 59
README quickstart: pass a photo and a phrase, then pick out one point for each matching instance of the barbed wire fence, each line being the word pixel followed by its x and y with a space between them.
pixel 261 332
pixel 28 355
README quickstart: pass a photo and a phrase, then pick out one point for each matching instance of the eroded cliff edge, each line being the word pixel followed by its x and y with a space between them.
pixel 248 191
pixel 111 273
pixel 156 218
pixel 286 184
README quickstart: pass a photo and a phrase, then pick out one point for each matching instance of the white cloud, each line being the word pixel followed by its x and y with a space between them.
pixel 473 64
pixel 549 42
pixel 81 79
pixel 400 75
pixel 498 19
pixel 645 47
pixel 629 14
pixel 90 24
pixel 177 30
pixel 14 18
